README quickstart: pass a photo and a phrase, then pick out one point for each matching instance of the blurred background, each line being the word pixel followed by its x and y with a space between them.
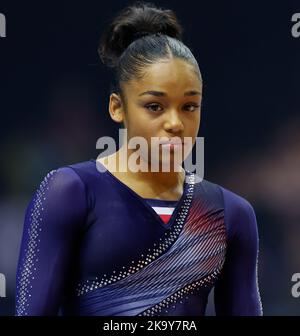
pixel 54 106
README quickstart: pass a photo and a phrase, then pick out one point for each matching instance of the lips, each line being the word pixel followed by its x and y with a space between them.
pixel 172 144
pixel 175 141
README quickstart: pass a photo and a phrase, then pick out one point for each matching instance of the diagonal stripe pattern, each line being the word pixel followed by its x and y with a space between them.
pixel 194 260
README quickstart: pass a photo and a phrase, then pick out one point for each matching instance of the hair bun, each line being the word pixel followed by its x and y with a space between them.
pixel 133 22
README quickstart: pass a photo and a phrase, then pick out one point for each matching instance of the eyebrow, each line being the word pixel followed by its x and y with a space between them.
pixel 163 94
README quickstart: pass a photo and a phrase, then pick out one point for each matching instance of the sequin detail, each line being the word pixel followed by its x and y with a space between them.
pixel 181 295
pixel 30 258
pixel 157 250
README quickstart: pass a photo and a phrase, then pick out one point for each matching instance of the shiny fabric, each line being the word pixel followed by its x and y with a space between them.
pixel 92 246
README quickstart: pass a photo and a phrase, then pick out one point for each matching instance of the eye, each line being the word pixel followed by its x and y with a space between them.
pixel 191 107
pixel 154 107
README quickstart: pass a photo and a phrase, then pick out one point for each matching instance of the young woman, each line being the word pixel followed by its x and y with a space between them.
pixel 102 241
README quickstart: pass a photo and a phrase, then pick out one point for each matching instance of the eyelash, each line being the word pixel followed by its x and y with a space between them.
pixel 196 106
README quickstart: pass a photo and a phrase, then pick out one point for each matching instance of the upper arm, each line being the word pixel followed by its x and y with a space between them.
pixel 236 291
pixel 52 222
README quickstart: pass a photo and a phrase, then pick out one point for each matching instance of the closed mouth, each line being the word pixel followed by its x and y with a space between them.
pixel 175 142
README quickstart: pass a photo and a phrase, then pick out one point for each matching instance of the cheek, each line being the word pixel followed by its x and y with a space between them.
pixel 197 122
pixel 193 126
pixel 139 127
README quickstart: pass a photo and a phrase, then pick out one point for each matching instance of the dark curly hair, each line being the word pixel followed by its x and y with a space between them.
pixel 140 35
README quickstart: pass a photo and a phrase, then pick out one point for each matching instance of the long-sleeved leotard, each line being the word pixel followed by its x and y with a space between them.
pixel 92 246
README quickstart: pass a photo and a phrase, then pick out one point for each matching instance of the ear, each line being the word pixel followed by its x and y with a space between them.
pixel 116 108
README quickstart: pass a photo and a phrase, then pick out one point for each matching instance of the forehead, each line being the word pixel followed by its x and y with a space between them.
pixel 175 74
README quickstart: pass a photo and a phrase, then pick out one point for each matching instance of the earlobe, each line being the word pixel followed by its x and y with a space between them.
pixel 116 108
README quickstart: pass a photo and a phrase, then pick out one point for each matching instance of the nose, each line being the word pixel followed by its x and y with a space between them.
pixel 173 123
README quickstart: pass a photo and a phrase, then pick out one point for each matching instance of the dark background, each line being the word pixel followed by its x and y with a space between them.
pixel 53 108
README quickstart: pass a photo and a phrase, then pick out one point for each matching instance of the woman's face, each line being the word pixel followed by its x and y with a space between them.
pixel 165 102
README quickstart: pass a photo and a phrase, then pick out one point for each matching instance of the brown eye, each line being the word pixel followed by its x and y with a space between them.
pixel 154 107
pixel 191 107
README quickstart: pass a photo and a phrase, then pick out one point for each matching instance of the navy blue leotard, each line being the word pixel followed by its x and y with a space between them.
pixel 92 246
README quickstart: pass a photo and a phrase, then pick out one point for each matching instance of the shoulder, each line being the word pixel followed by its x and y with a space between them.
pixel 86 170
pixel 229 198
pixel 63 185
pixel 73 176
pixel 61 180
pixel 236 205
pixel 205 190
pixel 239 214
pixel 59 201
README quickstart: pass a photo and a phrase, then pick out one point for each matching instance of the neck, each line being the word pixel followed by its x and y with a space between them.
pixel 161 182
